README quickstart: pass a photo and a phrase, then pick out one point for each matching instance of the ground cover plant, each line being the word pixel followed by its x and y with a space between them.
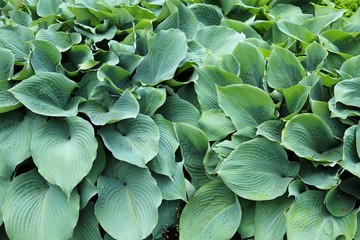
pixel 151 119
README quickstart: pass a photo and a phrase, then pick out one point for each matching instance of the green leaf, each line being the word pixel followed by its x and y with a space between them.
pixel 215 124
pixel 174 188
pixel 168 216
pixel 295 31
pixel 16 131
pixel 241 27
pixel 128 202
pixel 346 92
pixel 252 66
pixel 166 50
pixel 295 98
pixel 350 159
pixel 316 56
pixel 339 203
pixel 7 100
pixel 271 130
pixel 350 68
pixel 246 105
pixel 247 226
pixel 319 23
pixel 164 162
pixel 296 187
pixel 4 186
pixel 20 17
pixel 322 177
pixel 48 94
pixel 114 74
pixel 302 135
pixel 86 190
pixel 64 150
pixel 270 218
pixel 111 109
pixel 340 42
pixel 218 39
pixel 80 58
pixel 47 7
pixel 177 109
pixel 7 60
pixel 135 141
pixel 207 14
pixel 309 219
pixel 213 213
pixel 193 145
pixel 351 186
pixel 150 99
pixel 44 57
pixel 63 41
pixel 34 209
pixel 205 86
pixel 284 69
pixel 14 38
pixel 87 227
pixel 258 170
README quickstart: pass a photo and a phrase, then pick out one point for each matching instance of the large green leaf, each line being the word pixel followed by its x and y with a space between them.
pixel 48 94
pixel 350 68
pixel 309 219
pixel 258 170
pixel 14 38
pixel 47 7
pixel 340 42
pixel 164 162
pixel 207 14
pixel 62 40
pixel 166 50
pixel 303 133
pixel 246 105
pixel 214 213
pixel 7 60
pixel 347 92
pixel 284 69
pixel 35 209
pixel 132 140
pixel 64 150
pixel 270 218
pixel 205 86
pixel 128 202
pixel 295 31
pixel 15 137
pixel 193 145
pixel 110 109
pixel 7 100
pixel 252 63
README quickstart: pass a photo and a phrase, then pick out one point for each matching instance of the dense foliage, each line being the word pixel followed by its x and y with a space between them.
pixel 120 119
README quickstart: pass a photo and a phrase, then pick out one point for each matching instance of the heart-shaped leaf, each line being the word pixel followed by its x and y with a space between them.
pixel 64 150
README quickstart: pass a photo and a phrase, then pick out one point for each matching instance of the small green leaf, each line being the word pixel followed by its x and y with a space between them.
pixel 150 99
pixel 87 227
pixel 164 162
pixel 215 124
pixel 309 219
pixel 246 105
pixel 127 207
pixel 44 57
pixel 135 141
pixel 48 94
pixel 295 31
pixel 347 92
pixel 111 109
pixel 252 66
pixel 295 98
pixel 213 213
pixel 247 226
pixel 193 145
pixel 34 209
pixel 271 130
pixel 316 56
pixel 284 69
pixel 166 50
pixel 208 78
pixel 64 151
pixel 62 40
pixel 303 133
pixel 339 203
pixel 258 170
pixel 47 7
pixel 80 58
pixel 7 60
pixel 350 68
pixel 350 159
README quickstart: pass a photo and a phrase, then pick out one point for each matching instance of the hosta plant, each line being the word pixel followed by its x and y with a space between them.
pixel 192 119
